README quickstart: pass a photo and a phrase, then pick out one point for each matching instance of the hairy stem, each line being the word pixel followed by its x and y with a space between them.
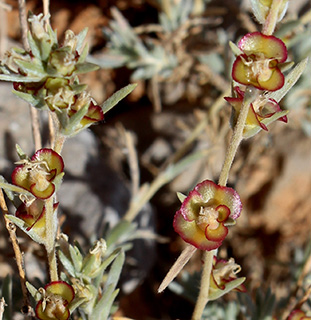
pixel 205 283
pixel 51 226
pixel 10 226
pixel 272 18
pixel 237 136
pixel 35 122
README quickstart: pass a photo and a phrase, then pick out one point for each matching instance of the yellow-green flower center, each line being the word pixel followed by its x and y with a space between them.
pixel 207 217
pixel 258 68
pixel 38 174
pixel 226 271
pixel 54 306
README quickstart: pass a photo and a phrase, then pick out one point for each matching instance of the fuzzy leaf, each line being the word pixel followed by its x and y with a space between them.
pixel 229 286
pixel 8 192
pixel 85 67
pixel 102 308
pixel 80 39
pixel 32 68
pixel 290 80
pixel 76 258
pixel 33 291
pixel 83 55
pixel 266 122
pixel 78 88
pixel 21 154
pixel 22 225
pixel 119 233
pixel 33 46
pixel 31 99
pixel 19 78
pixel 181 197
pixel 67 264
pixel 115 271
pixel 74 121
pixel 116 97
pixel 235 49
pixel 11 187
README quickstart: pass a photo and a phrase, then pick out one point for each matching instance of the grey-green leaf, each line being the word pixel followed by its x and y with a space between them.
pixel 229 286
pixel 116 97
pixel 290 80
pixel 67 264
pixel 31 233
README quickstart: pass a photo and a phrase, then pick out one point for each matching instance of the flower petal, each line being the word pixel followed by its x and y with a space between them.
pixel 223 213
pixel 41 314
pixel 218 234
pixel 270 46
pixel 20 177
pixel 62 289
pixel 52 158
pixel 192 234
pixel 42 194
pixel 275 82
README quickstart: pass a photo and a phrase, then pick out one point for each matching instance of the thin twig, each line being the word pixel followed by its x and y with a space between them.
pixel 33 112
pixel 132 160
pixel 156 94
pixel 23 23
pixel 305 297
pixel 4 28
pixel 10 226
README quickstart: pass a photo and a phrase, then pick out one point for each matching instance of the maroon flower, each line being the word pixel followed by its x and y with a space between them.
pixel 258 65
pixel 38 174
pixel 205 214
pixel 260 110
pixel 54 304
pixel 224 272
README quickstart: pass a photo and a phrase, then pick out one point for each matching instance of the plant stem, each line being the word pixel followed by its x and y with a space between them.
pixel 10 226
pixel 272 18
pixel 35 122
pixel 237 136
pixel 50 226
pixel 204 288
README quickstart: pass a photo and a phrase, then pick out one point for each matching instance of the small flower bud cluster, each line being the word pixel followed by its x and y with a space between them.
pixel 46 76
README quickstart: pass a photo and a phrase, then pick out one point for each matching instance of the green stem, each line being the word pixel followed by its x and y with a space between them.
pixel 205 283
pixel 50 226
pixel 272 18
